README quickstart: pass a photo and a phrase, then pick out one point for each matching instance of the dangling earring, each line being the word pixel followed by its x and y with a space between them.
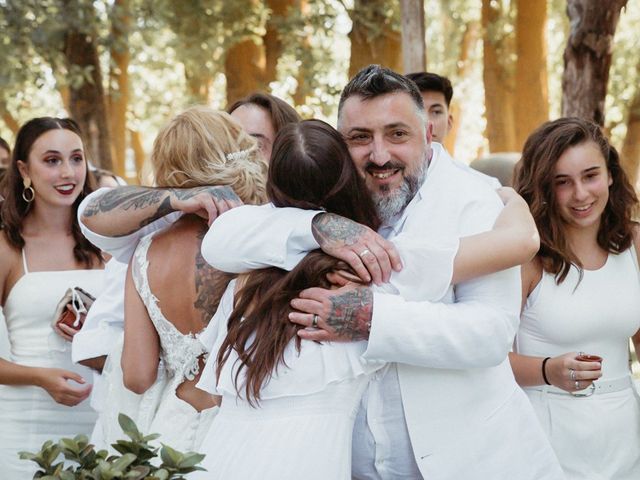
pixel 28 194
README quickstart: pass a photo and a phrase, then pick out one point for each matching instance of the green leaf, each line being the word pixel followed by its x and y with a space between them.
pixel 191 460
pixel 170 457
pixel 129 427
pixel 123 462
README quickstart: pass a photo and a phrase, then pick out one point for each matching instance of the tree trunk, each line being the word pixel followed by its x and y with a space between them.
pixel 498 88
pixel 630 151
pixel 138 151
pixel 8 119
pixel 88 103
pixel 244 67
pixel 469 38
pixel 273 44
pixel 531 89
pixel 119 83
pixel 369 46
pixel 587 57
pixel 414 49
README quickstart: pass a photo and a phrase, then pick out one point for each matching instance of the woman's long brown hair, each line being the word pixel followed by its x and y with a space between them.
pixel 533 180
pixel 14 208
pixel 310 169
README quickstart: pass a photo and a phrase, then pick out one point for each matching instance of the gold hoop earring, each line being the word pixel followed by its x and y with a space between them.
pixel 28 188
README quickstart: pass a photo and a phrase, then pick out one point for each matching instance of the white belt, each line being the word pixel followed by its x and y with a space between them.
pixel 597 387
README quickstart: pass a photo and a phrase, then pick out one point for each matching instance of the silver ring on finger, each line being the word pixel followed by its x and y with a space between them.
pixel 314 322
pixel 572 373
pixel 577 384
pixel 364 252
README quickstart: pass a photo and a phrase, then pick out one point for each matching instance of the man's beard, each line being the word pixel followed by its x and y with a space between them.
pixel 390 203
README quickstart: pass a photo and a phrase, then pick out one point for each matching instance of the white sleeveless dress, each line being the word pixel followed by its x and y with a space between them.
pixel 180 425
pixel 302 427
pixel 28 415
pixel 595 437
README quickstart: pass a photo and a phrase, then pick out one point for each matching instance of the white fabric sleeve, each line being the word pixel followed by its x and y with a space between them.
pixel 427 267
pixel 104 324
pixel 259 236
pixel 121 248
pixel 475 331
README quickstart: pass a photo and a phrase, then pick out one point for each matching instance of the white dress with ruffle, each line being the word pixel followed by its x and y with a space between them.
pixel 29 416
pixel 302 427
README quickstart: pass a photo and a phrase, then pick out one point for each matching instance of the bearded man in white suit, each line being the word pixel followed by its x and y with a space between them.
pixel 447 405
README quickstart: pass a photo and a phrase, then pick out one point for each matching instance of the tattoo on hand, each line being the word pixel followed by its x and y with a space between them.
pixel 351 313
pixel 333 231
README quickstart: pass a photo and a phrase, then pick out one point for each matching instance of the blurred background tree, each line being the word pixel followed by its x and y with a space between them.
pixel 123 67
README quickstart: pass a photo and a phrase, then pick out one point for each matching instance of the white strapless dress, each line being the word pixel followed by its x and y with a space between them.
pixel 28 415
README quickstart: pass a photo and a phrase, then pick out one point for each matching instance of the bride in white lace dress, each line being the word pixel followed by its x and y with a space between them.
pixel 171 293
pixel 43 395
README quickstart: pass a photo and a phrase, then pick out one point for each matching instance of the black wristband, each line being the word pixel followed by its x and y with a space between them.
pixel 544 373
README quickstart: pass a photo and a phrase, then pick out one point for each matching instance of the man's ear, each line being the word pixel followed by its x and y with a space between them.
pixel 449 122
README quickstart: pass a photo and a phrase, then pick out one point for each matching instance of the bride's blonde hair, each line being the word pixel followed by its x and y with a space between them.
pixel 202 146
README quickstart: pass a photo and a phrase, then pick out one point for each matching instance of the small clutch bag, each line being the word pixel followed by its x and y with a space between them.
pixel 72 309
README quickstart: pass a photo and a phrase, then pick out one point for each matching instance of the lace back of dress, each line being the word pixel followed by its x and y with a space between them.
pixel 180 352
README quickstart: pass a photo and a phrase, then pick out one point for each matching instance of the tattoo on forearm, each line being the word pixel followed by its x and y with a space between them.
pixel 223 192
pixel 125 198
pixel 351 313
pixel 138 198
pixel 210 285
pixel 335 231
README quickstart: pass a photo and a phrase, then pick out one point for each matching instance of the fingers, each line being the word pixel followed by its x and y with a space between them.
pixel 69 375
pixel 58 329
pixel 304 319
pixel 66 331
pixel 391 251
pixel 335 278
pixel 372 264
pixel 382 259
pixel 355 262
pixel 316 335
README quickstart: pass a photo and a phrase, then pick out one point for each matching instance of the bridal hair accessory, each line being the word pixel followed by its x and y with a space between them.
pixel 240 155
pixel 28 189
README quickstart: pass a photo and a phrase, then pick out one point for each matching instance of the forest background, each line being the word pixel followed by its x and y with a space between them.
pixel 122 68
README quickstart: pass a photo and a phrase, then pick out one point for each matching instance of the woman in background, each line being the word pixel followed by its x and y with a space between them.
pixel 42 254
pixel 581 293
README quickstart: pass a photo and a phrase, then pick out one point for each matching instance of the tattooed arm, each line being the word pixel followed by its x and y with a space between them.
pixel 121 211
pixel 368 253
pixel 343 314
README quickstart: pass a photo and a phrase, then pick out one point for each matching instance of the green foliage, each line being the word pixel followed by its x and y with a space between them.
pixel 133 463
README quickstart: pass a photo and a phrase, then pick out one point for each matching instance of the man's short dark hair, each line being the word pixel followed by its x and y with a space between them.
pixel 432 82
pixel 281 112
pixel 374 80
